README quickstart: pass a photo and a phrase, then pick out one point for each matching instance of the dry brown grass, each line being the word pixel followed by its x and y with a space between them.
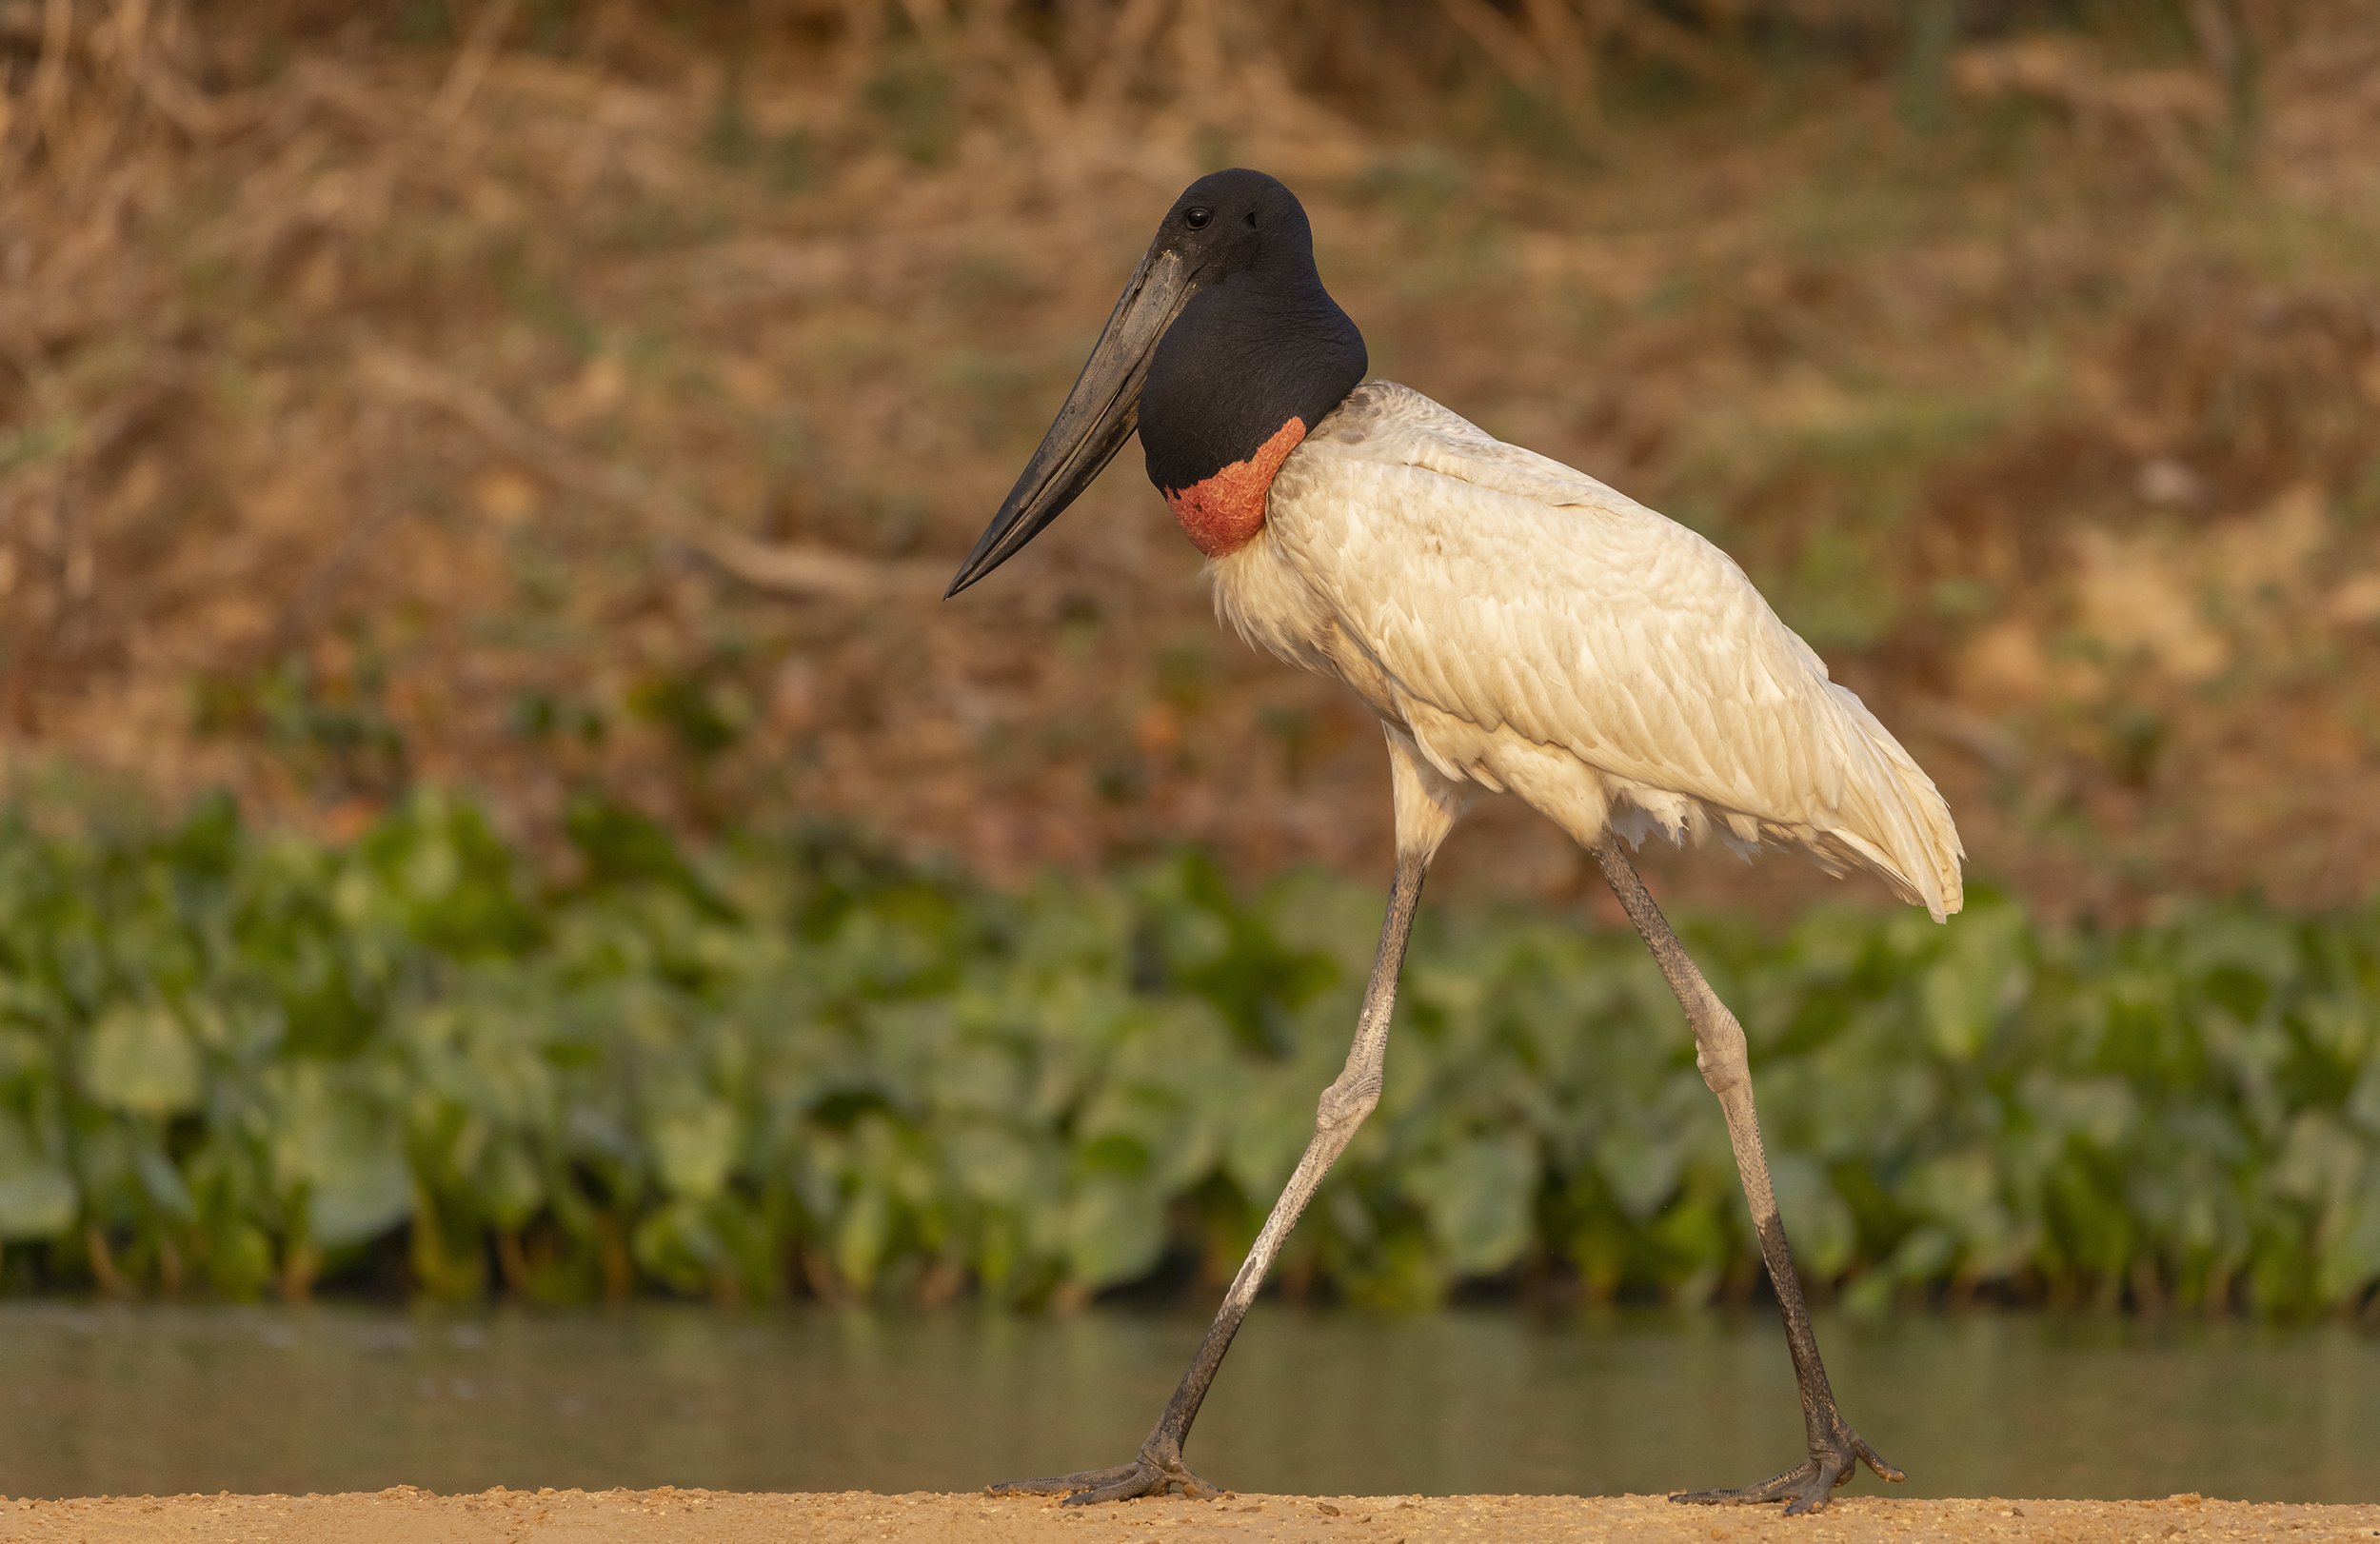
pixel 550 400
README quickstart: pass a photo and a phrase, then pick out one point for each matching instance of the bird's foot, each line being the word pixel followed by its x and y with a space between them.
pixel 1833 1458
pixel 1156 1470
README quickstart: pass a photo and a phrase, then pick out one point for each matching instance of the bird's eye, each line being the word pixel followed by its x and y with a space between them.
pixel 1197 217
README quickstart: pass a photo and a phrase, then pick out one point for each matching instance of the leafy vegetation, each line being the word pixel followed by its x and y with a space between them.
pixel 241 1063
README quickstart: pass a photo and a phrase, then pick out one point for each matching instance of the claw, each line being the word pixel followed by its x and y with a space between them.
pixel 1809 1485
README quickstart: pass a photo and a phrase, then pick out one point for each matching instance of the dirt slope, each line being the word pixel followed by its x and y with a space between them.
pixel 718 1517
pixel 600 404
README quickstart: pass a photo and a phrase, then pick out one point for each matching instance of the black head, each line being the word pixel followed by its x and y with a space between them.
pixel 1261 344
pixel 1224 335
pixel 1227 221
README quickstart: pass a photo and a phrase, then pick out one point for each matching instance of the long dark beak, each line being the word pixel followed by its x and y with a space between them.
pixel 1099 415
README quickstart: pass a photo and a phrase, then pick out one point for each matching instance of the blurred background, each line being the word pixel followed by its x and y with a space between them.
pixel 499 814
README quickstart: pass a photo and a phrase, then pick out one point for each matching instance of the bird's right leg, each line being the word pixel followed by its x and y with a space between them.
pixel 1835 1451
pixel 1427 806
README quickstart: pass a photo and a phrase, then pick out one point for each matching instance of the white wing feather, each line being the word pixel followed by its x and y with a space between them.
pixel 1536 630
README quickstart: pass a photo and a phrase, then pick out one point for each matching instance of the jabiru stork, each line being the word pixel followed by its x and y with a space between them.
pixel 1518 627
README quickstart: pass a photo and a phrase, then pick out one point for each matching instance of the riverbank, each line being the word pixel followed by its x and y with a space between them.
pixel 729 1518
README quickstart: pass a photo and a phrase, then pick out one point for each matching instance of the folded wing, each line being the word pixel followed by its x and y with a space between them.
pixel 1524 614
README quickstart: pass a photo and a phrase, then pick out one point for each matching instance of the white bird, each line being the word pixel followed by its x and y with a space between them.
pixel 1518 627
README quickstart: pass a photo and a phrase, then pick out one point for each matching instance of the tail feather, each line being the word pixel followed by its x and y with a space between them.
pixel 1902 820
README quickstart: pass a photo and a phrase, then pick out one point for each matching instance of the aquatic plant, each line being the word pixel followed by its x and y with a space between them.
pixel 239 1061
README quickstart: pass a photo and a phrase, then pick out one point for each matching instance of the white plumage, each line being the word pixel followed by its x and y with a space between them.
pixel 1536 632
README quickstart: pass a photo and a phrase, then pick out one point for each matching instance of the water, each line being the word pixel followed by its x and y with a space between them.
pixel 163 1400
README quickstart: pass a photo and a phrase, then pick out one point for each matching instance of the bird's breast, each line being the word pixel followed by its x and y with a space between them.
pixel 1223 511
pixel 1265 591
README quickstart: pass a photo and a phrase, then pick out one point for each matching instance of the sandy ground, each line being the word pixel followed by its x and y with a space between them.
pixel 405 1516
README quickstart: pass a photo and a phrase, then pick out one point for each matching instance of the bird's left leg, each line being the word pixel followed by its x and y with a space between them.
pixel 1835 1450
pixel 1159 1466
pixel 1427 806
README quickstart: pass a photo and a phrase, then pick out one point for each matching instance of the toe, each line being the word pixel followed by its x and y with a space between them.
pixel 1192 1486
pixel 1820 1489
pixel 1135 1481
pixel 1789 1484
pixel 1875 1461
pixel 1061 1484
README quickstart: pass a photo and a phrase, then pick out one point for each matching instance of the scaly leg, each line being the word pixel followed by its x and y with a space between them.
pixel 1426 809
pixel 1835 1450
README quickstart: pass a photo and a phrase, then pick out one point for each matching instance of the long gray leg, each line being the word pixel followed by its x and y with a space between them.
pixel 1835 1450
pixel 1426 809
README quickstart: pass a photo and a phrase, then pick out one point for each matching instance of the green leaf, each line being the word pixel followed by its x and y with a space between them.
pixel 694 1148
pixel 1269 1131
pixel 995 1165
pixel 162 1183
pixel 37 1197
pixel 1641 1168
pixel 1816 1218
pixel 1114 1230
pixel 1478 1198
pixel 23 1056
pixel 140 1060
pixel 862 1233
pixel 510 1185
pixel 1979 978
pixel 677 1244
pixel 2351 1259
pixel 347 1158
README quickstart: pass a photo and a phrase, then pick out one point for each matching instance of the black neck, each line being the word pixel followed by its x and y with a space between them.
pixel 1247 355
